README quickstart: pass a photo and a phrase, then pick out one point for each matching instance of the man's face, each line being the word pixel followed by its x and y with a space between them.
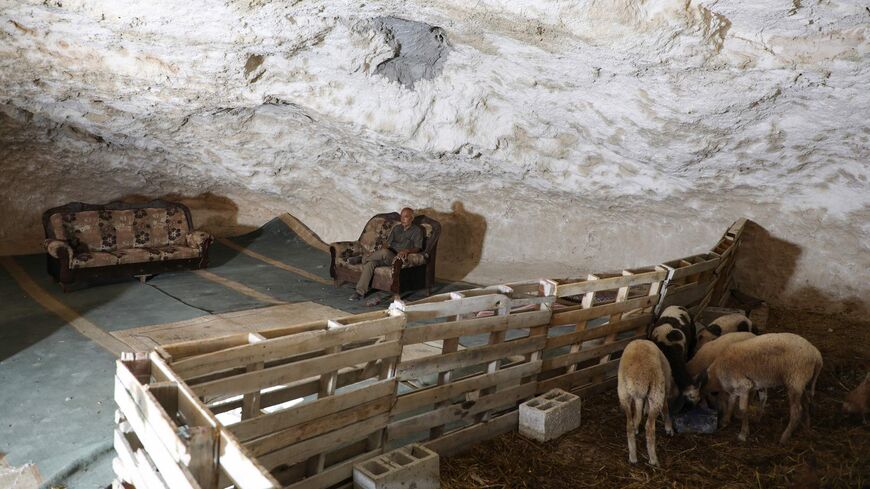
pixel 406 218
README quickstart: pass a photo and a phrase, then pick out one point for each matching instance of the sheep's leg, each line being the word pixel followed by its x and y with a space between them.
pixel 762 396
pixel 669 427
pixel 729 410
pixel 744 408
pixel 630 432
pixel 651 435
pixel 795 411
pixel 638 414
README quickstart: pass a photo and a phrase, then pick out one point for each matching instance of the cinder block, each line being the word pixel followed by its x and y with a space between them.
pixel 410 467
pixel 549 415
pixel 698 420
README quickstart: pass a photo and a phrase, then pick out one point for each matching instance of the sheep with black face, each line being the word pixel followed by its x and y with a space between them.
pixel 673 343
pixel 729 323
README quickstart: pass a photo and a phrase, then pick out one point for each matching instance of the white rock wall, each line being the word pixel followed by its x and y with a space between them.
pixel 559 137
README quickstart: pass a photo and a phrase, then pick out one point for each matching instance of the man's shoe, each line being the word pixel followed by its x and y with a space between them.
pixel 355 297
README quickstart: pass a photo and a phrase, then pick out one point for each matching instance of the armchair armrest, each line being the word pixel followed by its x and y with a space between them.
pixel 197 239
pixel 54 246
pixel 414 259
pixel 345 249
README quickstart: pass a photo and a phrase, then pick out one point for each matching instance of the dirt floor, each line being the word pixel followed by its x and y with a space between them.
pixel 835 452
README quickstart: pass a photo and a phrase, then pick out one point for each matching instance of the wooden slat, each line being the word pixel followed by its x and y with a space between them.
pixel 335 473
pixel 142 475
pixel 234 460
pixel 464 439
pixel 432 395
pixel 283 347
pixel 173 472
pixel 314 446
pixel 455 307
pixel 456 412
pixel 303 413
pixel 617 327
pixel 587 286
pixel 417 368
pixel 577 315
pixel 582 355
pixel 284 374
pixel 708 264
pixel 469 327
pixel 580 377
pixel 324 424
pixel 152 412
pixel 687 294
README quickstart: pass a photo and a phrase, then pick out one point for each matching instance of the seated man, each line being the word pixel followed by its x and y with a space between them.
pixel 404 239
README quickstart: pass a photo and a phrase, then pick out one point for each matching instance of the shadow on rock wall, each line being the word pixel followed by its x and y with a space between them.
pixel 765 267
pixel 461 244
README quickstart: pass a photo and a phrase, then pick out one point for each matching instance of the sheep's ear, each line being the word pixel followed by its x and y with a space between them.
pixel 701 379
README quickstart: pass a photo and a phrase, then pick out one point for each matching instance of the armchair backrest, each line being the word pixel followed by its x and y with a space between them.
pixel 377 230
pixel 118 225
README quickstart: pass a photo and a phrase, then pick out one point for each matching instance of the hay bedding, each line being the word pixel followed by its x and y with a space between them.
pixel 834 453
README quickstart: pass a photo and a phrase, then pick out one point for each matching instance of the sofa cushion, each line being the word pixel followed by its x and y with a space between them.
pixel 137 255
pixel 92 259
pixel 376 232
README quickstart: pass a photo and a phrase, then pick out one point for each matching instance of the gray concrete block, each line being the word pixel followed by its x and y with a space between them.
pixel 549 415
pixel 410 467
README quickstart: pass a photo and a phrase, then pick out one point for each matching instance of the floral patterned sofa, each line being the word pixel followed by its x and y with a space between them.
pixel 86 241
pixel 417 272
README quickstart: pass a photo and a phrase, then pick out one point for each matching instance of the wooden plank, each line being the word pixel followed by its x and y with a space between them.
pixel 455 412
pixel 455 307
pixel 578 315
pixel 580 377
pixel 469 327
pixel 417 368
pixel 313 446
pixel 152 412
pixel 278 420
pixel 687 294
pixel 587 286
pixel 284 374
pixel 465 439
pixel 708 264
pixel 282 347
pixel 334 474
pixel 432 395
pixel 582 355
pixel 143 476
pixel 588 334
pixel 234 460
pixel 174 473
pixel 203 444
pixel 319 426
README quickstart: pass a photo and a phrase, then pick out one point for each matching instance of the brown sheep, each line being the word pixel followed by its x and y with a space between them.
pixel 644 379
pixel 710 351
pixel 729 323
pixel 858 401
pixel 770 360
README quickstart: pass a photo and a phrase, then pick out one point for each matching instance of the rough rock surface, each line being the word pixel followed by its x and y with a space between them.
pixel 555 138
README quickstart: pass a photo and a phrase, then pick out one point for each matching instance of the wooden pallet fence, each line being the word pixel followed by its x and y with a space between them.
pixel 465 394
pixel 302 404
pixel 583 339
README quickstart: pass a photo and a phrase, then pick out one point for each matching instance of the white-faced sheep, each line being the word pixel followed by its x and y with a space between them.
pixel 710 351
pixel 644 381
pixel 770 360
pixel 858 401
pixel 729 323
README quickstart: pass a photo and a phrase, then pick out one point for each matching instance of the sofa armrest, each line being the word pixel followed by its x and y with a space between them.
pixel 54 246
pixel 413 260
pixel 345 249
pixel 197 239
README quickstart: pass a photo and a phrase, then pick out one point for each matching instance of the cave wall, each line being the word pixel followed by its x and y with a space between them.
pixel 553 138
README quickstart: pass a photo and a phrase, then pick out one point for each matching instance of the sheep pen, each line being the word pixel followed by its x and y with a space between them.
pixel 835 452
